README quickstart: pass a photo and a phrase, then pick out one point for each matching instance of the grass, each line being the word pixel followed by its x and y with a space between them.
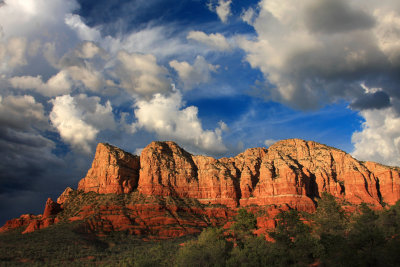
pixel 67 244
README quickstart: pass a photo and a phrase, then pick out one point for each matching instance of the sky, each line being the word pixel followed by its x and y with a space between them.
pixel 215 76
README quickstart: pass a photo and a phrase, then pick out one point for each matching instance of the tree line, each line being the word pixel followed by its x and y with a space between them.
pixel 328 237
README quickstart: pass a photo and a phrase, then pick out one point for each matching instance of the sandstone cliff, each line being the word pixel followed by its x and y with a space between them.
pixel 169 192
pixel 166 169
pixel 296 172
pixel 113 171
pixel 292 172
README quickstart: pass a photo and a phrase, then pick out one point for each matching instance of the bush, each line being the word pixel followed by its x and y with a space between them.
pixel 245 222
pixel 294 243
pixel 255 252
pixel 210 249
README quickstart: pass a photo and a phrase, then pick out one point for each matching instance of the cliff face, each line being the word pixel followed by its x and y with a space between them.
pixel 387 181
pixel 166 169
pixel 296 171
pixel 289 174
pixel 113 171
pixel 292 172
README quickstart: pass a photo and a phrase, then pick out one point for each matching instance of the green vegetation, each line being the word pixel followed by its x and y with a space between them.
pixel 70 245
pixel 209 249
pixel 329 237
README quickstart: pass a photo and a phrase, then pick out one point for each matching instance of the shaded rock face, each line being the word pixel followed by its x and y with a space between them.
pixel 51 208
pixel 113 171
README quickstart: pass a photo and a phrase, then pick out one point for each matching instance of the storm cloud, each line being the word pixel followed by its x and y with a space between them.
pixel 336 16
pixel 322 51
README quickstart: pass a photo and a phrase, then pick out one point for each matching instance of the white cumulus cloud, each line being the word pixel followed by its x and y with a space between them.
pixel 29 28
pixel 88 76
pixel 379 139
pixel 12 53
pixel 16 49
pixel 222 8
pixel 84 32
pixel 79 119
pixel 89 50
pixel 213 40
pixel 193 75
pixel 141 75
pixel 58 84
pixel 248 15
pixel 30 17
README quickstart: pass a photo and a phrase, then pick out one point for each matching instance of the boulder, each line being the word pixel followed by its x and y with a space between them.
pixel 51 208
pixel 65 195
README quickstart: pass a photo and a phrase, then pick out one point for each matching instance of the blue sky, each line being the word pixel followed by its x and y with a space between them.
pixel 215 76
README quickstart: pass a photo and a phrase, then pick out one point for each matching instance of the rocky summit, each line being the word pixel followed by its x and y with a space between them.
pixel 168 192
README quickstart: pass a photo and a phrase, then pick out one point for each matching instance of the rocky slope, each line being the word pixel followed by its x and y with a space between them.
pixel 168 192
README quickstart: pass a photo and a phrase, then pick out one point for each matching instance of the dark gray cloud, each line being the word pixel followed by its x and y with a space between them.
pixel 335 16
pixel 25 151
pixel 12 205
pixel 377 100
pixel 30 171
pixel 26 156
pixel 27 183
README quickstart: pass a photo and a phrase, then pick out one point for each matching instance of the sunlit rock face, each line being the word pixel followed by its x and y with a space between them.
pixel 166 169
pixel 292 172
pixel 113 171
pixel 296 172
pixel 388 181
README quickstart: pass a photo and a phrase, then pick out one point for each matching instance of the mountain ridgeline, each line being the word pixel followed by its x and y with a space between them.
pixel 292 172
pixel 168 192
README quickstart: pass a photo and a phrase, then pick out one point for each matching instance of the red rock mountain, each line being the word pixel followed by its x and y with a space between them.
pixel 169 192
